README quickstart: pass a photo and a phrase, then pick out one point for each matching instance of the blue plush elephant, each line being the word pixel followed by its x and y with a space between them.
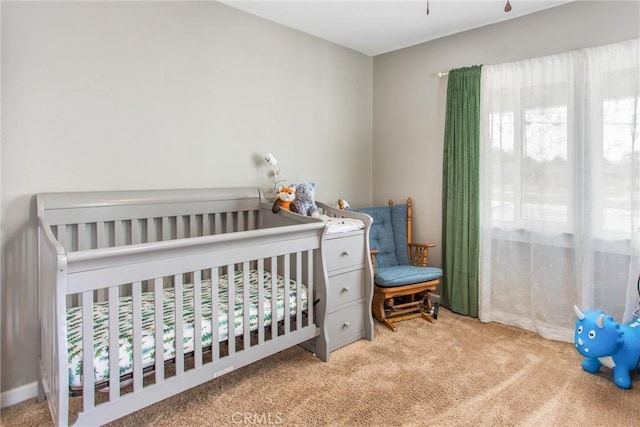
pixel 305 201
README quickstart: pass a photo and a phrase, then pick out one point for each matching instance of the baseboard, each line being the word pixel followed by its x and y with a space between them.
pixel 20 394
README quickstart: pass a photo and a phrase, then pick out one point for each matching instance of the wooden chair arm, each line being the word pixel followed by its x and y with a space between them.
pixel 372 254
pixel 419 253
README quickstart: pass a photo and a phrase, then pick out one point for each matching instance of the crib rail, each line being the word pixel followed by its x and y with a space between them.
pixel 229 247
pixel 79 269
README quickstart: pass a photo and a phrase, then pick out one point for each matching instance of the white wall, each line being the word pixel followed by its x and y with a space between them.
pixel 137 95
pixel 409 99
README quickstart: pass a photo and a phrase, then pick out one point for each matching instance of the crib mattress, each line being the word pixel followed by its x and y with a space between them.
pixel 101 319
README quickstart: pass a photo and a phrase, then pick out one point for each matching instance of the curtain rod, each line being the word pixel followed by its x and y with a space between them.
pixel 443 73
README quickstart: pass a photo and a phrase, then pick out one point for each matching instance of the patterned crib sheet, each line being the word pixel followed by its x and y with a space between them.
pixel 101 321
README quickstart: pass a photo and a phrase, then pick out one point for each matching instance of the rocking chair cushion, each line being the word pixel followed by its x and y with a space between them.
pixel 388 234
pixel 400 275
pixel 382 236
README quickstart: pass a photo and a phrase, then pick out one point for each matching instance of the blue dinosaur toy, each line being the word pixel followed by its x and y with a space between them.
pixel 602 341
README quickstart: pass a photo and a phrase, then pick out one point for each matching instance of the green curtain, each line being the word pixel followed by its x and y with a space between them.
pixel 461 192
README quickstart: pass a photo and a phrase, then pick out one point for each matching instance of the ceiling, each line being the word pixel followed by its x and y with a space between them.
pixel 374 27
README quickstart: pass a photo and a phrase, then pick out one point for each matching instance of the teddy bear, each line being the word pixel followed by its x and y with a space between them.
pixel 284 197
pixel 304 203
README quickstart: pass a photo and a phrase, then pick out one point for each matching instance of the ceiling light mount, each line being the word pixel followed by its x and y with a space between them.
pixel 507 7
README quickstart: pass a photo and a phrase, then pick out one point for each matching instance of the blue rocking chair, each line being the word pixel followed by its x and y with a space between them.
pixel 403 283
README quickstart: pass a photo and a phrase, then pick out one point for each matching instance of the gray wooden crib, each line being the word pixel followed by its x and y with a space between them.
pixel 123 277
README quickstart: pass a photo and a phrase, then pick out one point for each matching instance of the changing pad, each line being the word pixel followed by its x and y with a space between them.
pixel 341 225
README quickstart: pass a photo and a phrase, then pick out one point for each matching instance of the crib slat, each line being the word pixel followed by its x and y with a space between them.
pixel 180 226
pixel 197 319
pixel 217 223
pixel 136 299
pixel 260 301
pixel 230 221
pixel 84 242
pixel 231 289
pixel 310 287
pixel 165 229
pixel 118 233
pixel 101 242
pixel 287 291
pixel 274 297
pixel 159 329
pixel 114 350
pixel 298 291
pixel 251 225
pixel 206 224
pixel 215 324
pixel 246 333
pixel 88 400
pixel 179 346
pixel 101 234
pixel 151 231
pixel 193 226
pixel 241 225
pixel 83 237
pixel 136 232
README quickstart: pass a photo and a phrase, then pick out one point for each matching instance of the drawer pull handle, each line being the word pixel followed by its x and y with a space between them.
pixel 345 324
pixel 345 253
pixel 345 289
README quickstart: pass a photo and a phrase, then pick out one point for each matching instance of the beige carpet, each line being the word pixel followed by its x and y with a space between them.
pixel 457 372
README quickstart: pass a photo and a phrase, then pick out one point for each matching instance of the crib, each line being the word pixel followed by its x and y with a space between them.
pixel 145 294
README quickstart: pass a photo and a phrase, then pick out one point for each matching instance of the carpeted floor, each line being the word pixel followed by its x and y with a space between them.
pixel 457 372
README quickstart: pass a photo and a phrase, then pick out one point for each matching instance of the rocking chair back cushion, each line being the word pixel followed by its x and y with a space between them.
pixel 388 234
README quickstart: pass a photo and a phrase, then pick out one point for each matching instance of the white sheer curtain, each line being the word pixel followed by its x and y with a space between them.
pixel 560 188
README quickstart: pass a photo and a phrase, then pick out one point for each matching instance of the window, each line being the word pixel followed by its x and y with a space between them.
pixel 619 197
pixel 531 168
pixel 546 179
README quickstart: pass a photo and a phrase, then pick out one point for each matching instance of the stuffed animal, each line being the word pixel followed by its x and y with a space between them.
pixel 305 200
pixel 343 204
pixel 284 197
pixel 602 341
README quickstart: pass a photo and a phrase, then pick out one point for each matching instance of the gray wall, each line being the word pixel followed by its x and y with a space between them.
pixel 133 95
pixel 409 99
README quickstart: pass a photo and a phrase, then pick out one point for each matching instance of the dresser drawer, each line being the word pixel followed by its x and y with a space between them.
pixel 346 326
pixel 345 288
pixel 344 252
